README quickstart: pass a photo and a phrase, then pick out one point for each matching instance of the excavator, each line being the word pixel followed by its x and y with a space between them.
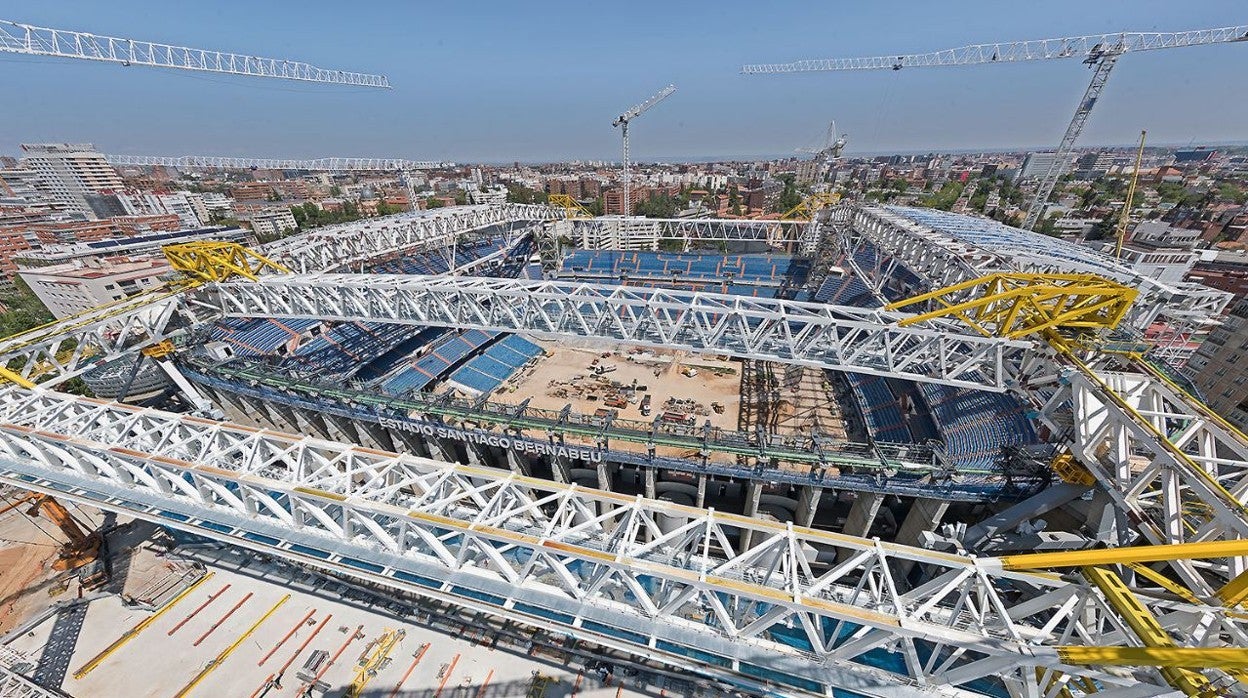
pixel 80 548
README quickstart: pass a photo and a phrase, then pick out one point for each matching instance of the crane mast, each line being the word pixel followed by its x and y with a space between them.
pixel 1100 51
pixel 622 122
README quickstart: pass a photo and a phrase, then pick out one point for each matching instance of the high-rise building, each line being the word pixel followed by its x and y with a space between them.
pixel 72 172
pixel 1220 367
pixel 1036 165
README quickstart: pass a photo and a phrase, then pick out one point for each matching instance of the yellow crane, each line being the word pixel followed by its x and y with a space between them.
pixel 1125 217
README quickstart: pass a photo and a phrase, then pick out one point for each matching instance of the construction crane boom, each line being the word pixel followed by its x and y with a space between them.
pixel 243 163
pixel 622 121
pixel 1125 218
pixel 1099 51
pixel 44 41
pixel 1014 51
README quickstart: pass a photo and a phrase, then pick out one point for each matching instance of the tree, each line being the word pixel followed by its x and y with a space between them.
pixel 335 190
pixel 789 197
pixel 434 202
pixel 596 207
pixel 734 200
pixel 385 209
pixel 461 197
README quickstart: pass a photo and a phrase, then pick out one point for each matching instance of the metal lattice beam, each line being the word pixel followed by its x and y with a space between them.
pixel 1000 53
pixel 61 43
pixel 641 575
pixel 348 246
pixel 216 162
pixel 69 347
pixel 1020 305
pixel 837 337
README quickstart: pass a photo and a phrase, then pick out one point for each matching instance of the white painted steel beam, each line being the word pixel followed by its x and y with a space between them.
pixel 646 576
pixel 218 162
pixel 42 41
pixel 1080 47
pixel 838 337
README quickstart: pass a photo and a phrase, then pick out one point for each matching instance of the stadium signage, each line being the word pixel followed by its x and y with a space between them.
pixel 485 438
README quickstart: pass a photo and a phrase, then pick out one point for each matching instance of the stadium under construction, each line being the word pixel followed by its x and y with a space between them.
pixel 877 450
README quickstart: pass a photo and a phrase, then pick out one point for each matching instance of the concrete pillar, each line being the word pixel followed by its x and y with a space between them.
pixel 925 515
pixel 517 463
pixel 475 456
pixel 651 480
pixel 700 502
pixel 861 516
pixel 807 502
pixel 561 469
pixel 606 476
pixel 862 513
pixel 349 429
pixel 442 449
pixel 380 435
pixel 753 495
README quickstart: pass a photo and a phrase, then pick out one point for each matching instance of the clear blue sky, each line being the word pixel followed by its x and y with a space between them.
pixel 495 81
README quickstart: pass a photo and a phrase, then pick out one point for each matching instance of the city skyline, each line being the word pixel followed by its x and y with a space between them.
pixel 581 69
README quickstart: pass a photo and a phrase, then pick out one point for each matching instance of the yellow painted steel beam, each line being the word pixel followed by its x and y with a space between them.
pixel 1121 556
pixel 218 261
pixel 567 203
pixel 1236 591
pixel 132 633
pixel 1144 624
pixel 225 653
pixel 13 377
pixel 1224 658
pixel 810 206
pixel 1015 305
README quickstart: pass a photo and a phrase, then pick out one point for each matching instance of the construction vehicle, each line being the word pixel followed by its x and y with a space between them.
pixel 645 405
pixel 80 548
pixel 689 372
pixel 615 401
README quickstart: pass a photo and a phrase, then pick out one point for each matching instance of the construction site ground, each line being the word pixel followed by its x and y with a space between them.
pixel 566 375
pixel 238 621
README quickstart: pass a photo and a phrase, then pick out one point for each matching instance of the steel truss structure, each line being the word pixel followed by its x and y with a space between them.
pixel 941 260
pixel 688 231
pixel 1016 51
pixel 351 245
pixel 42 41
pixel 74 345
pixel 1176 472
pixel 838 337
pixel 725 595
pixel 14 685
pixel 217 162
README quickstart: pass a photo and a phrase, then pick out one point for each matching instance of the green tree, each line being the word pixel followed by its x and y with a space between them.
pixel 734 200
pixel 335 190
pixel 461 197
pixel 434 202
pixel 596 207
pixel 789 196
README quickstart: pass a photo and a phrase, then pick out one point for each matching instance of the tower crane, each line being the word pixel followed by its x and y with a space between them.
pixel 62 43
pixel 1099 52
pixel 829 150
pixel 622 121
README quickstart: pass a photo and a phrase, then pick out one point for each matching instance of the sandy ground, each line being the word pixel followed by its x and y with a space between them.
pixel 397 657
pixel 566 376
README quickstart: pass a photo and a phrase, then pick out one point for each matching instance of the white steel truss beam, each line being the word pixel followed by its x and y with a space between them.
pixel 1017 51
pixel 352 245
pixel 650 576
pixel 61 43
pixel 72 346
pixel 217 162
pixel 1176 470
pixel 837 337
